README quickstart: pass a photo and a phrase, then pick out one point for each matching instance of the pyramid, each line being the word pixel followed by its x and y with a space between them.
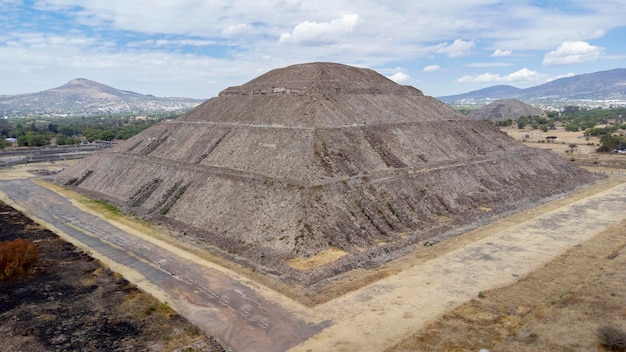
pixel 505 109
pixel 321 158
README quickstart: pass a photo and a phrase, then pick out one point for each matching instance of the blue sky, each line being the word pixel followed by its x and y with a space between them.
pixel 196 48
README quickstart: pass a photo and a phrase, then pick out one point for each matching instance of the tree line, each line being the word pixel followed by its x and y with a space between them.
pixel 31 132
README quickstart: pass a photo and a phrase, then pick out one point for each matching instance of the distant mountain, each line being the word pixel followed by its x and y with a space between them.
pixel 84 97
pixel 604 85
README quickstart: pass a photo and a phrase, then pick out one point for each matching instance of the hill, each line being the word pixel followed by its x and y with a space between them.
pixel 84 97
pixel 603 85
pixel 504 109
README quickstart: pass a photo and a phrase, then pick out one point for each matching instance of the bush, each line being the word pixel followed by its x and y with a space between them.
pixel 17 258
pixel 571 127
pixel 612 338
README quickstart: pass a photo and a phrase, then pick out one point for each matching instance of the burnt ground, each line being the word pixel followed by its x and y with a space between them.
pixel 71 302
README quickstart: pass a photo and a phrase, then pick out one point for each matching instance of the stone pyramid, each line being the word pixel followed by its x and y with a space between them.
pixel 321 157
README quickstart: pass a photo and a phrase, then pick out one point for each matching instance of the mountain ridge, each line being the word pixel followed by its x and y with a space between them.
pixel 601 85
pixel 81 96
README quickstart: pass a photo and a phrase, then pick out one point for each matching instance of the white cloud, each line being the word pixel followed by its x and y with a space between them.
pixel 399 77
pixel 569 74
pixel 236 29
pixel 165 38
pixel 185 42
pixel 431 68
pixel 326 32
pixel 500 53
pixel 487 64
pixel 573 53
pixel 458 48
pixel 522 76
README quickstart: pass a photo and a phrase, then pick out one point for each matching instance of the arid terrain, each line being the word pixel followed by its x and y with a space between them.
pixel 541 279
pixel 559 306
pixel 582 154
pixel 71 302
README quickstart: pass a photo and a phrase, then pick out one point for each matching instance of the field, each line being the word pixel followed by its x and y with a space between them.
pixel 583 154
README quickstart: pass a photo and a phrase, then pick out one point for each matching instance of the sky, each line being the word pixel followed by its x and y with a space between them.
pixel 196 48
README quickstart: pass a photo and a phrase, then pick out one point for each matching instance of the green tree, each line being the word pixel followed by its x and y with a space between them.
pixel 33 139
pixel 610 142
pixel 572 127
pixel 21 141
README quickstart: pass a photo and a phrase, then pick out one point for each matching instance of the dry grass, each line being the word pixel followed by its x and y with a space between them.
pixel 584 155
pixel 556 308
pixel 17 257
pixel 328 256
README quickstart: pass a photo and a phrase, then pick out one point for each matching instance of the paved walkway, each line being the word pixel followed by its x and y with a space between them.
pixel 220 304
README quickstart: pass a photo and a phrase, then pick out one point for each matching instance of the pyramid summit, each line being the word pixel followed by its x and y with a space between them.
pixel 321 157
pixel 319 95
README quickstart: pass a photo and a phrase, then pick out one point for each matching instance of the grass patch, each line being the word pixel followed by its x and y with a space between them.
pixel 108 207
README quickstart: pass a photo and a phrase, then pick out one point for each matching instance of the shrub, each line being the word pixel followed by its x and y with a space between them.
pixel 612 338
pixel 572 127
pixel 17 258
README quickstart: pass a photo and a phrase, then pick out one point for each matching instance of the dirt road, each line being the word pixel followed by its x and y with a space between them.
pixel 216 302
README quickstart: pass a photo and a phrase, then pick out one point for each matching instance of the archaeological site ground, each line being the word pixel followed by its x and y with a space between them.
pixel 323 207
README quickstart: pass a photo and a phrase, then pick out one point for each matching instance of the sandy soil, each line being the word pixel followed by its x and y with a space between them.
pixel 556 308
pixel 28 170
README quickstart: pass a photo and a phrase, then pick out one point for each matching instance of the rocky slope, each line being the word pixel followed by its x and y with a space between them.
pixel 318 157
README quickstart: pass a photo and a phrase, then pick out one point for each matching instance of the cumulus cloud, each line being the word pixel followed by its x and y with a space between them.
pixel 500 53
pixel 256 35
pixel 458 48
pixel 325 32
pixel 573 53
pixel 521 76
pixel 432 68
pixel 399 77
